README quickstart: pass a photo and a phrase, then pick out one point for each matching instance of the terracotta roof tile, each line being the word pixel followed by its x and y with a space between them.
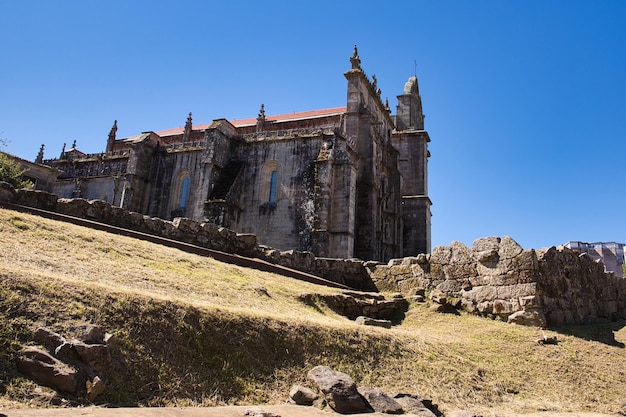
pixel 180 130
pixel 292 116
pixel 251 121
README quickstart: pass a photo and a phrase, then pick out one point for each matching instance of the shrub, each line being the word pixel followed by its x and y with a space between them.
pixel 10 170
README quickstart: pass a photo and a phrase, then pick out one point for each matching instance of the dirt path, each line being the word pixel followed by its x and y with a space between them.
pixel 285 410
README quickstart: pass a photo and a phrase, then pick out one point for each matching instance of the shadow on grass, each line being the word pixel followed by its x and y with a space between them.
pixel 604 333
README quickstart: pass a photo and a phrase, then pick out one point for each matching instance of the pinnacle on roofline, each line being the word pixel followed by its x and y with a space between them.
pixel 39 158
pixel 260 120
pixel 261 116
pixel 188 127
pixel 355 60
pixel 112 134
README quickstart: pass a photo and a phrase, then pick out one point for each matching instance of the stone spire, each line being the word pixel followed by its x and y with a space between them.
pixel 355 60
pixel 111 139
pixel 187 131
pixel 62 152
pixel 74 145
pixel 39 159
pixel 260 120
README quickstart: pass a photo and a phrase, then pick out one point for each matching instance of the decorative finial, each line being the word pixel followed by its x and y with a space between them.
pixel 187 131
pixel 355 60
pixel 74 144
pixel 62 152
pixel 387 104
pixel 111 139
pixel 113 131
pixel 39 158
pixel 374 81
pixel 260 120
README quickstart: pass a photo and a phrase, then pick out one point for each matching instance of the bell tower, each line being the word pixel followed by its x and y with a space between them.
pixel 411 141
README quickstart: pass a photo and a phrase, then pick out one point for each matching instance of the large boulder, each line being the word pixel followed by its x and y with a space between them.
pixel 414 407
pixel 48 338
pixel 339 390
pixel 418 406
pixel 40 366
pixel 96 356
pixel 90 333
pixel 380 402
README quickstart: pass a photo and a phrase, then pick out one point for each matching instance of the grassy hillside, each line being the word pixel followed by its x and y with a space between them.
pixel 193 331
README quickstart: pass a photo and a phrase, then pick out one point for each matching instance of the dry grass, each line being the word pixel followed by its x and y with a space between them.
pixel 195 331
pixel 77 255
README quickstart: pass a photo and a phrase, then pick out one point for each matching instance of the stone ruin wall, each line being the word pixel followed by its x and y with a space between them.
pixel 496 278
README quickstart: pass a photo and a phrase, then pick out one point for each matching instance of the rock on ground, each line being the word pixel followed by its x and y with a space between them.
pixel 339 389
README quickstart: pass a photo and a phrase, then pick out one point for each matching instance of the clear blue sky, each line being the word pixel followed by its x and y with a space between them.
pixel 525 100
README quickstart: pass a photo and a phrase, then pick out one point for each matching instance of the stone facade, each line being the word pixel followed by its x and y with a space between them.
pixel 346 182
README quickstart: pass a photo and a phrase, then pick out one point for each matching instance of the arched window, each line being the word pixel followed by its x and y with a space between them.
pixel 184 191
pixel 272 187
pixel 179 193
pixel 269 191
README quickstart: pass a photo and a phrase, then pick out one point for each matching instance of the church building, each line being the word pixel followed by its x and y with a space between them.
pixel 344 182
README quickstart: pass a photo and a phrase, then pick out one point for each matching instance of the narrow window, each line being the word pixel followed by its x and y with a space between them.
pixel 183 192
pixel 273 187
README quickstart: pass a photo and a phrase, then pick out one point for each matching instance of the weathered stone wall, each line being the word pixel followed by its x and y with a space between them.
pixel 174 166
pixel 496 278
pixel 286 219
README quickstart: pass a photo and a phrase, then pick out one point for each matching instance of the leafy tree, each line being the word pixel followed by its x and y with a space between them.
pixel 10 170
